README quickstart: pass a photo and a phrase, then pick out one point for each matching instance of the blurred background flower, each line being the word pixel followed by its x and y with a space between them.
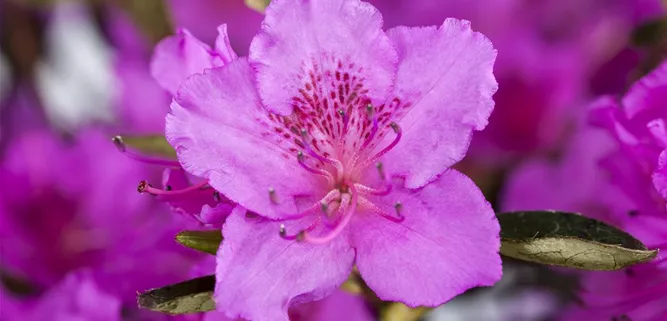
pixel 78 241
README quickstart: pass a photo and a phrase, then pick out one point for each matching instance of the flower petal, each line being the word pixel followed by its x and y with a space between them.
pixel 338 306
pixel 302 42
pixel 222 45
pixel 660 175
pixel 201 205
pixel 648 94
pixel 76 297
pixel 259 274
pixel 179 56
pixel 444 86
pixel 222 133
pixel 448 243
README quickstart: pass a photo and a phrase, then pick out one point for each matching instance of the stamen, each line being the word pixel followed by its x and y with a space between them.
pixel 370 112
pixel 144 187
pixel 118 141
pixel 380 169
pixel 216 196
pixel 345 120
pixel 325 210
pixel 347 216
pixel 373 191
pixel 399 133
pixel 272 195
pixel 301 158
pixel 369 205
pixel 398 206
pixel 298 236
pixel 311 152
pixel 283 234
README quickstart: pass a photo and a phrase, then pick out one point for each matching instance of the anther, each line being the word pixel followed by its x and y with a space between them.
pixel 380 169
pixel 302 161
pixel 216 196
pixel 370 111
pixel 143 185
pixel 398 207
pixel 272 195
pixel 395 127
pixel 118 141
pixel 342 113
pixel 298 236
pixel 324 207
pixel 345 119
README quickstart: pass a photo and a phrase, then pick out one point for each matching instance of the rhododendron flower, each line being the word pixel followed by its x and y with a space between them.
pixel 618 169
pixel 336 140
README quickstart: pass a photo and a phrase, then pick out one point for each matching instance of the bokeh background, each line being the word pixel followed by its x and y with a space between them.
pixel 78 241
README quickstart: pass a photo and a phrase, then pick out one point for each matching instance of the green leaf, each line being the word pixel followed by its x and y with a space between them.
pixel 204 241
pixel 569 240
pixel 191 296
pixel 152 145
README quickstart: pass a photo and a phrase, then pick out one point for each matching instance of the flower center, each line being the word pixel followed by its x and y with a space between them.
pixel 346 193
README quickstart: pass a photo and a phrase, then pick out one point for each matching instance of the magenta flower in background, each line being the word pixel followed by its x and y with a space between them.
pixel 53 224
pixel 613 172
pixel 140 102
pixel 11 307
pixel 544 65
pixel 340 136
pixel 204 16
pixel 76 297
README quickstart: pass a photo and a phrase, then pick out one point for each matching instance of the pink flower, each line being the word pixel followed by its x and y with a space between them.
pixel 340 136
pixel 613 172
